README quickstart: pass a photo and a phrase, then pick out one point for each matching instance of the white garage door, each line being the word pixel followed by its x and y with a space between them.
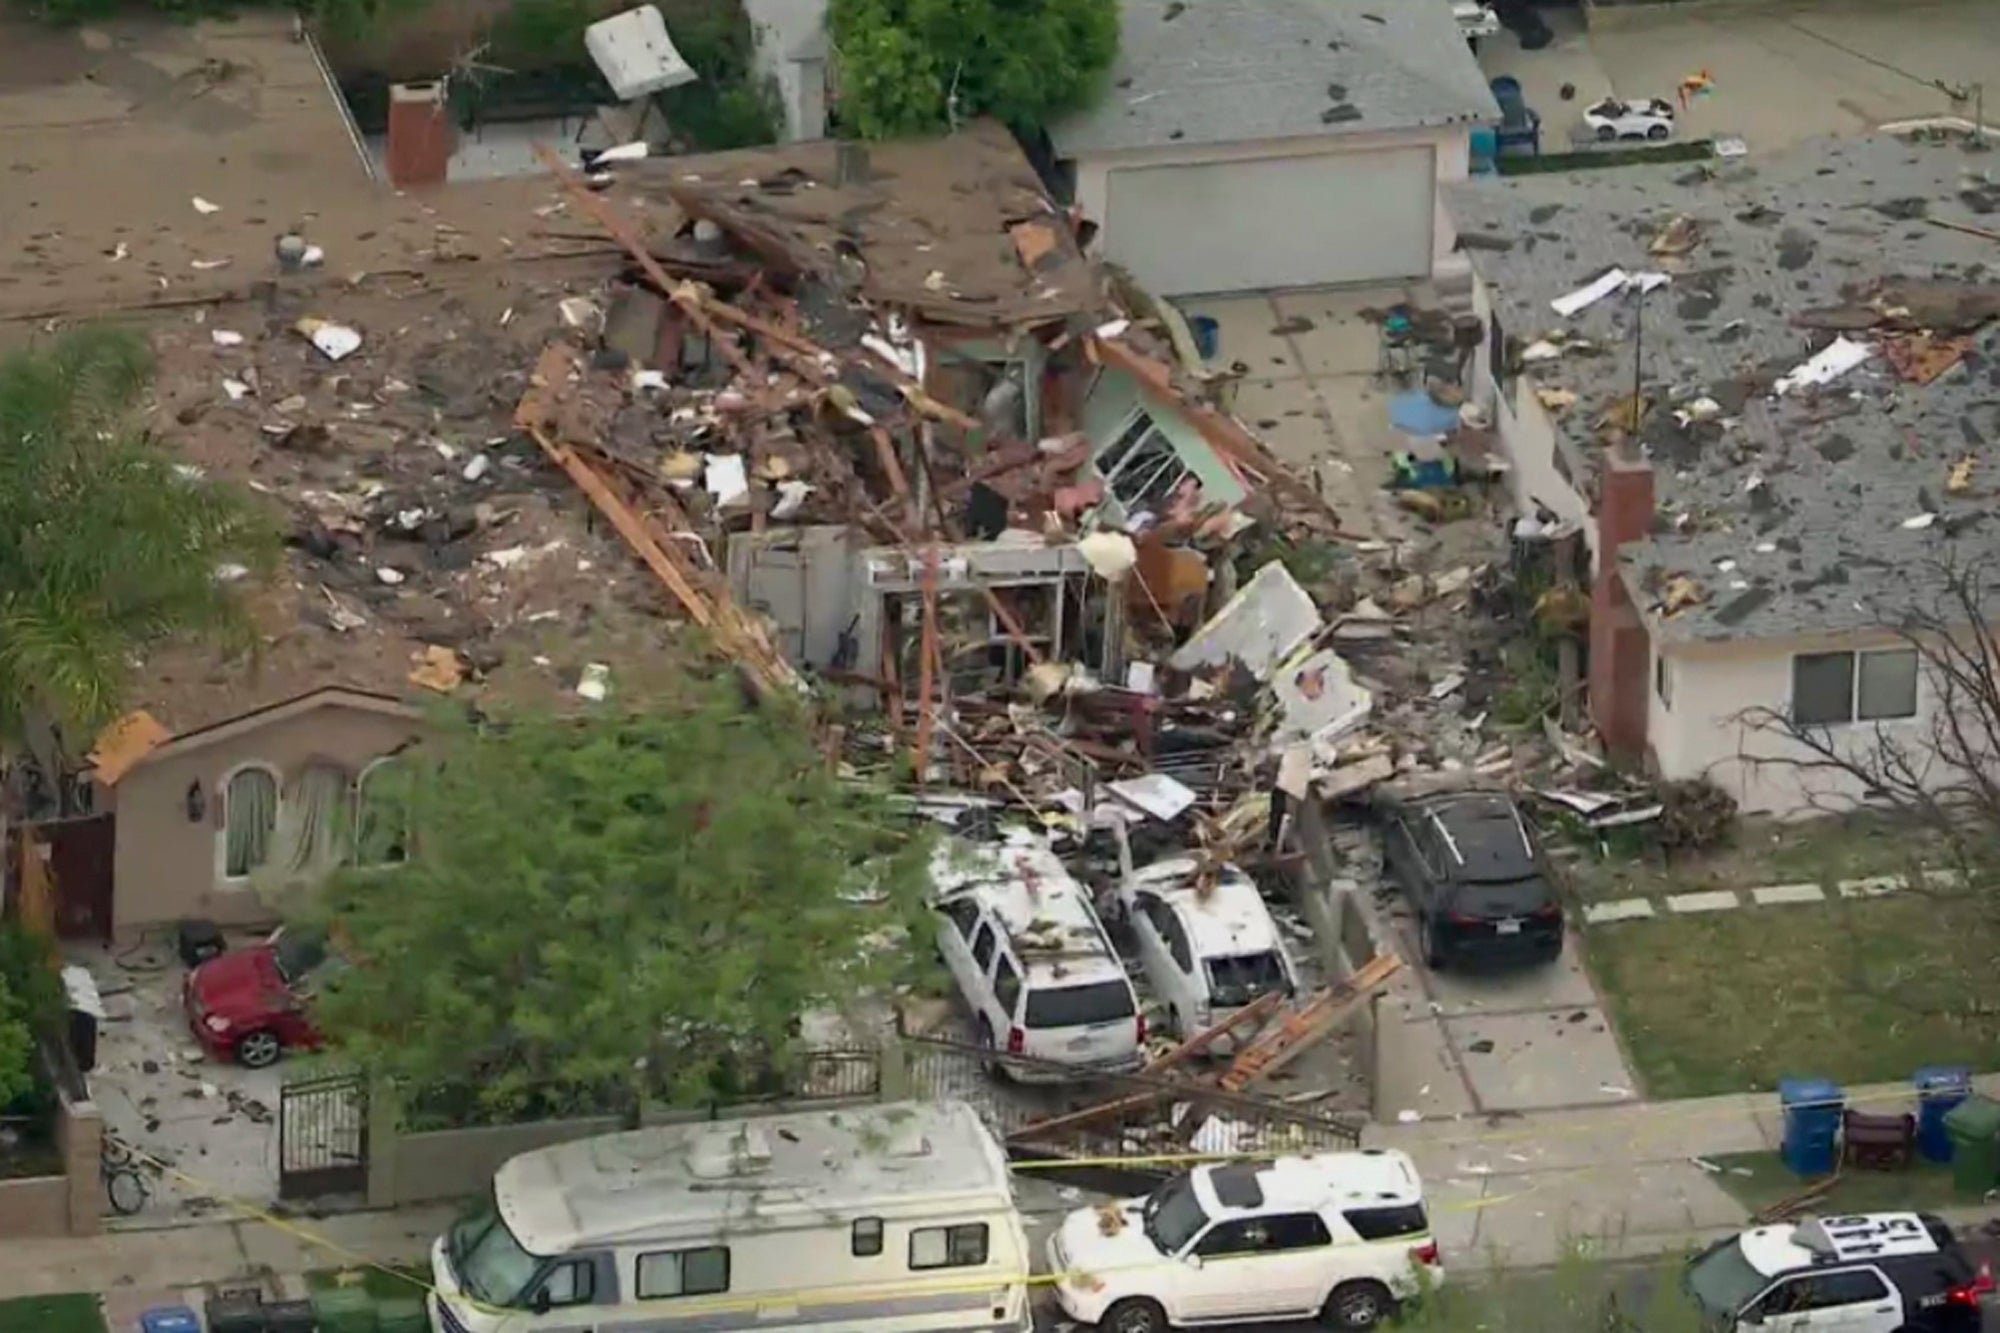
pixel 1207 227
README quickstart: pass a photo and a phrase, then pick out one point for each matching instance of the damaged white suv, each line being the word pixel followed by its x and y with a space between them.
pixel 1338 1236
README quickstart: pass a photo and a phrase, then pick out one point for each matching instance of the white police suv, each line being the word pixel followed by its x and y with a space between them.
pixel 1877 1273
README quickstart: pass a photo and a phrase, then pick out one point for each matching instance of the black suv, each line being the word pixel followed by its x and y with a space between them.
pixel 1875 1273
pixel 1471 869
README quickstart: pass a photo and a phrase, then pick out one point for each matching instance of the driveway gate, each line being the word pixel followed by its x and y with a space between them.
pixel 322 1136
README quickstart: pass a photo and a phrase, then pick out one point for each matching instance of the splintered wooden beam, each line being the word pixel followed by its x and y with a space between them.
pixel 1308 1025
pixel 1255 1011
pixel 742 638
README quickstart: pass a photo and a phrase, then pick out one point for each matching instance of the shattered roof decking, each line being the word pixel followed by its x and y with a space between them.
pixel 958 229
pixel 1233 71
pixel 1806 493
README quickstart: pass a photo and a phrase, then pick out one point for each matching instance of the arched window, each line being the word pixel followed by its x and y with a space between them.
pixel 310 837
pixel 250 817
pixel 381 815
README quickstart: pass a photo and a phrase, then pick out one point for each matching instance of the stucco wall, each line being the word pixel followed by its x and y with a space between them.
pixel 1702 732
pixel 167 866
pixel 1451 148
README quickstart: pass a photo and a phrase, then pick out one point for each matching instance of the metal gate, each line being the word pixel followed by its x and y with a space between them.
pixel 322 1136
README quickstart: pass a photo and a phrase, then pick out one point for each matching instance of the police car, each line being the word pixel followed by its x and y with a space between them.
pixel 1879 1273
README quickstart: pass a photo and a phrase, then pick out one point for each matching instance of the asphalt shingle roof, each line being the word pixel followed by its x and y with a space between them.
pixel 1192 72
pixel 1787 511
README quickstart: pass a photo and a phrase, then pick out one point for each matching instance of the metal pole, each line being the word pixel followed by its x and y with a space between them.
pixel 1638 351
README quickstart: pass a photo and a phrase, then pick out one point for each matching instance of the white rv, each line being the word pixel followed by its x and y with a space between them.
pixel 883 1219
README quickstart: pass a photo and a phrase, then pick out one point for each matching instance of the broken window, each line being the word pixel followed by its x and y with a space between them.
pixel 250 814
pixel 1832 688
pixel 1142 469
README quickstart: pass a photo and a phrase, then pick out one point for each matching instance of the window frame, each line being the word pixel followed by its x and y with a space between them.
pixel 639 1292
pixel 1856 659
pixel 360 796
pixel 586 1287
pixel 228 804
pixel 992 939
pixel 1663 681
pixel 1132 443
pixel 1008 991
pixel 854 1234
pixel 950 1258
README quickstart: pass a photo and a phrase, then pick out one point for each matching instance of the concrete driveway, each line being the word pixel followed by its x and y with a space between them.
pixel 1309 390
pixel 1781 74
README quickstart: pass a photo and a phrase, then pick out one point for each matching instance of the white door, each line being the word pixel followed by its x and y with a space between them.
pixel 1250 1269
pixel 1850 1301
pixel 1357 216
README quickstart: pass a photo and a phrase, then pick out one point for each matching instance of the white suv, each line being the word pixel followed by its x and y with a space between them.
pixel 1208 946
pixel 1338 1236
pixel 1033 963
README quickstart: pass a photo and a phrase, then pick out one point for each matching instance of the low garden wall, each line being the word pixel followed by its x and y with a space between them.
pixel 69 1200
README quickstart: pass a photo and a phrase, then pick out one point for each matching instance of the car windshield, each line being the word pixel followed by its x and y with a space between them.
pixel 1078 1006
pixel 1722 1281
pixel 491 1265
pixel 1243 977
pixel 1173 1215
pixel 297 953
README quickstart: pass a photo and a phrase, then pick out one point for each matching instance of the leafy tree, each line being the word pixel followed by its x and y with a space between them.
pixel 603 910
pixel 105 546
pixel 908 67
pixel 30 1000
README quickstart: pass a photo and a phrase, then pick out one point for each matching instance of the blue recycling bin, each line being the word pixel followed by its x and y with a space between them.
pixel 169 1319
pixel 1812 1110
pixel 1939 1088
pixel 1207 333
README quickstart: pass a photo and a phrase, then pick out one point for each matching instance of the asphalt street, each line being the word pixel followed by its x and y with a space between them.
pixel 1534 1299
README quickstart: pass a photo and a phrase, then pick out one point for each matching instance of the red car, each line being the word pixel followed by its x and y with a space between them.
pixel 249 1005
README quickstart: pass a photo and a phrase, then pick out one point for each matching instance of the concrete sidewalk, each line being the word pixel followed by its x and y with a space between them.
pixel 1517 1190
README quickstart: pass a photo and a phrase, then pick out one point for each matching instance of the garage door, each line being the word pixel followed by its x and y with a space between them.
pixel 1207 227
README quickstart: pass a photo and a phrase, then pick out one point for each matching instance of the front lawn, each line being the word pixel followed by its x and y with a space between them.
pixel 73 1313
pixel 1734 1001
pixel 1761 852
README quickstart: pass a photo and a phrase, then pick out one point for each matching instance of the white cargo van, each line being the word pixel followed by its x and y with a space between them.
pixel 882 1219
pixel 1033 962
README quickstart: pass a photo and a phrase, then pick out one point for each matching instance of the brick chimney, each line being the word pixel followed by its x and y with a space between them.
pixel 1620 649
pixel 421 135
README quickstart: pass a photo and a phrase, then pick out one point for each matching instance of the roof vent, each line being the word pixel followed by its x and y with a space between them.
pixel 739 1152
pixel 907 1139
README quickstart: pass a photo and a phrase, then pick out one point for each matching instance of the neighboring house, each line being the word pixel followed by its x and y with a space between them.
pixel 791 52
pixel 212 822
pixel 1250 144
pixel 1751 546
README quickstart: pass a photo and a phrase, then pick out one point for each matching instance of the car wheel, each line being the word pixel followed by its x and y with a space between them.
pixel 1656 132
pixel 1358 1305
pixel 126 1189
pixel 1136 1315
pixel 259 1050
pixel 1605 134
pixel 1427 943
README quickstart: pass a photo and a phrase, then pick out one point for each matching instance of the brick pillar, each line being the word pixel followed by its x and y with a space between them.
pixel 421 135
pixel 1620 649
pixel 80 1135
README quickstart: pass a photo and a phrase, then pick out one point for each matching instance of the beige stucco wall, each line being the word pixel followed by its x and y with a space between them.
pixel 1527 432
pixel 1451 149
pixel 168 866
pixel 1702 732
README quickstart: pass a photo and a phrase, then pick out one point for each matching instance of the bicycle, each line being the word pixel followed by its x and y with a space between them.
pixel 124 1183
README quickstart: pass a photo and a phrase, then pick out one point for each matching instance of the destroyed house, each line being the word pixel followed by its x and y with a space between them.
pixel 1813 340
